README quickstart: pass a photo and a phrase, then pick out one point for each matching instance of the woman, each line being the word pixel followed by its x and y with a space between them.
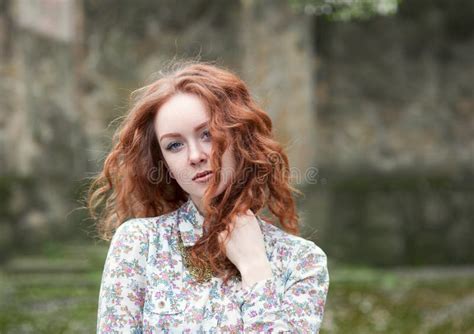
pixel 193 163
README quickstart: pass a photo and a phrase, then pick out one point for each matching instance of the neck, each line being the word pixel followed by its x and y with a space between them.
pixel 198 204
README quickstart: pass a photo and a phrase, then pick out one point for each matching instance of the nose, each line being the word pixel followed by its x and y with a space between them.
pixel 196 154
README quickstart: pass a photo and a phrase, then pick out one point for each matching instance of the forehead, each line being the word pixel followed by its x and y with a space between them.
pixel 180 114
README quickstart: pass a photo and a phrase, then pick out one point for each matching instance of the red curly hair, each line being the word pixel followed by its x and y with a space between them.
pixel 123 188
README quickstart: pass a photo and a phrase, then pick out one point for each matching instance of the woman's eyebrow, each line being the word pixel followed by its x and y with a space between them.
pixel 197 128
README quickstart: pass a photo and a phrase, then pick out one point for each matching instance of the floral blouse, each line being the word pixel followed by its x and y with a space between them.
pixel 146 287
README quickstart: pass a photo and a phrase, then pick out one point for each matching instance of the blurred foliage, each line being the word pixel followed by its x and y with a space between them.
pixel 346 10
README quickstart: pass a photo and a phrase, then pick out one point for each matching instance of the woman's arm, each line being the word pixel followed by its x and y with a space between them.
pixel 296 307
pixel 122 290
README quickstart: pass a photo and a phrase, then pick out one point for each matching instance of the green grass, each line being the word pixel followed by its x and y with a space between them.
pixel 363 300
pixel 56 290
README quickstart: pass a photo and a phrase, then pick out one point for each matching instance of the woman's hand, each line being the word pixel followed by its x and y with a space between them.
pixel 245 248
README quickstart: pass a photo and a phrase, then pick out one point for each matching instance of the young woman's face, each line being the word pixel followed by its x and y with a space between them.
pixel 182 132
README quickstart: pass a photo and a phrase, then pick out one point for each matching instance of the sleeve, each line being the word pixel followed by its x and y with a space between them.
pixel 122 290
pixel 270 306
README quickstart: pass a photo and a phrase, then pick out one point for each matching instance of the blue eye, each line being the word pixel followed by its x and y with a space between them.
pixel 172 146
pixel 206 133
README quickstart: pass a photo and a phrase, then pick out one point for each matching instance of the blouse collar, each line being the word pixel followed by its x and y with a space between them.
pixel 190 223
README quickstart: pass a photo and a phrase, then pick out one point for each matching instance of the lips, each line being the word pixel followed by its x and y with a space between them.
pixel 198 175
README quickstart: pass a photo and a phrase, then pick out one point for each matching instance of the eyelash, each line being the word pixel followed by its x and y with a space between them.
pixel 171 145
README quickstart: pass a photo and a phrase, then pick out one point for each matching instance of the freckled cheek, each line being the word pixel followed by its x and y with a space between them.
pixel 178 165
pixel 207 148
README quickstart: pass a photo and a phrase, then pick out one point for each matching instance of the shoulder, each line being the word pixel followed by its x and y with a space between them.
pixel 298 257
pixel 146 224
pixel 291 246
pixel 145 229
pixel 135 227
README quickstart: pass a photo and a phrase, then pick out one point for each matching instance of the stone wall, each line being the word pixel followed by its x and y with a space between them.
pixel 74 64
pixel 389 124
pixel 395 137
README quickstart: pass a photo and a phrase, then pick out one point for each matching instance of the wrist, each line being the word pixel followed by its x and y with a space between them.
pixel 254 272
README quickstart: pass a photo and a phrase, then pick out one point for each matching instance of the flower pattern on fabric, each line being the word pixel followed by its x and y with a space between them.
pixel 146 287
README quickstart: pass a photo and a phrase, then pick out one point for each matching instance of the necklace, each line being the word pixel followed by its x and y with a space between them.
pixel 203 275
